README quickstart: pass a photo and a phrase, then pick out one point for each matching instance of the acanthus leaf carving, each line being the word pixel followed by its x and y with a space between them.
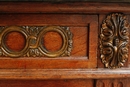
pixel 114 40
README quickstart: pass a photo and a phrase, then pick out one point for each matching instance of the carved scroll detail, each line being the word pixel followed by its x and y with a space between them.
pixel 114 40
pixel 34 45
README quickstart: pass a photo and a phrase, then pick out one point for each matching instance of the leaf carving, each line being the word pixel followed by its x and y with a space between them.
pixel 114 40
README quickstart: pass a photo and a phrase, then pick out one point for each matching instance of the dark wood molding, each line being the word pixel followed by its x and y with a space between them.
pixel 67 7
pixel 69 0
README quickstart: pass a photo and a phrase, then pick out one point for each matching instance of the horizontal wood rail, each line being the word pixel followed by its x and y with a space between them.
pixel 66 7
pixel 64 73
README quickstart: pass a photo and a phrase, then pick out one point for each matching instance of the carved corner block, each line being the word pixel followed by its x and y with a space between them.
pixel 114 40
pixel 17 41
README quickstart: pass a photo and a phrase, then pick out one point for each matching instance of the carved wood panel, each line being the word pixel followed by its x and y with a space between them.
pixel 30 41
pixel 78 31
pixel 114 40
pixel 112 83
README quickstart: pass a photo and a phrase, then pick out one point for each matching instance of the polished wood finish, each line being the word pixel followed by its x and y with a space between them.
pixel 77 20
pixel 114 40
pixel 66 7
pixel 112 83
pixel 13 43
pixel 101 18
pixel 70 0
pixel 60 74
pixel 83 68
pixel 52 37
pixel 46 83
pixel 83 29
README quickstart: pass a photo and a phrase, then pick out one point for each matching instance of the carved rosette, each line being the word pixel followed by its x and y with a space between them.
pixel 114 40
pixel 30 43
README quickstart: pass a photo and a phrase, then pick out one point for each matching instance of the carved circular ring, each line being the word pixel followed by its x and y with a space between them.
pixel 25 41
pixel 65 42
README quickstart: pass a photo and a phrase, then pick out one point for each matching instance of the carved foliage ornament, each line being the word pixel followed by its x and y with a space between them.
pixel 33 43
pixel 114 40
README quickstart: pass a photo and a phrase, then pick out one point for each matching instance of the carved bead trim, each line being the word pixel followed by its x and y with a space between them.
pixel 33 45
pixel 114 40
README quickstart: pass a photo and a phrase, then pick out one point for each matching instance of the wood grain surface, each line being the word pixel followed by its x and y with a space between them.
pixel 15 41
pixel 66 7
pixel 113 83
pixel 46 83
pixel 84 30
pixel 44 74
pixel 83 68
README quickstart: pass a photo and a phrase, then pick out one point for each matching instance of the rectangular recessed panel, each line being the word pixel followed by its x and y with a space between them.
pixel 84 37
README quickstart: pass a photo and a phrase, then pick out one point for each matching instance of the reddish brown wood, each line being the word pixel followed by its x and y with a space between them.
pixel 52 41
pixel 47 63
pixel 112 83
pixel 46 83
pixel 77 20
pixel 83 68
pixel 15 41
pixel 35 74
pixel 101 18
pixel 83 28
pixel 71 7
pixel 80 41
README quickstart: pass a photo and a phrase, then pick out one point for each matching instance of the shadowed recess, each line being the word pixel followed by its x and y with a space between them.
pixel 15 41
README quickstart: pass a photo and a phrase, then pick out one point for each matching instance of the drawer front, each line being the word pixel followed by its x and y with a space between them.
pixel 48 41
